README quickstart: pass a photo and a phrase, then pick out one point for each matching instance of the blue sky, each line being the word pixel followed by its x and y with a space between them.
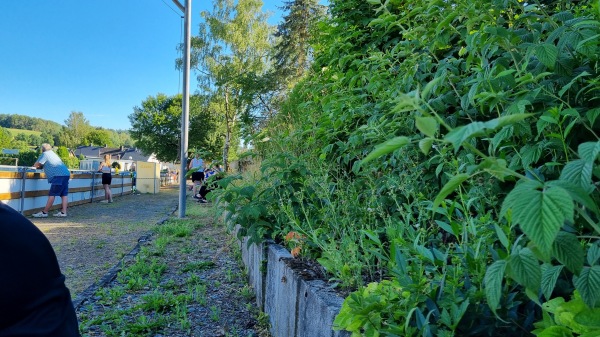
pixel 99 57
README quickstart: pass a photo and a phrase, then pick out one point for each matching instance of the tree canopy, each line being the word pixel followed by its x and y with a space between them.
pixel 156 126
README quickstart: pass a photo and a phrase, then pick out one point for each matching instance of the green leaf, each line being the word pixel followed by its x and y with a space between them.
pixel 577 194
pixel 540 213
pixel 593 254
pixel 550 274
pixel 387 147
pixel 589 151
pixel 247 191
pixel 449 187
pixel 493 283
pixel 425 145
pixel 579 173
pixel 568 251
pixel 524 268
pixel 458 135
pixel 495 167
pixel 405 103
pixel 552 306
pixel 589 319
pixel 592 115
pixel 428 125
pixel 502 236
pixel 547 54
pixel 427 89
pixel 588 285
pixel 568 85
pixel 555 331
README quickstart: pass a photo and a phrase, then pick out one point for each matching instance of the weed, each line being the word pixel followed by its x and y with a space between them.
pixel 111 295
pixel 158 301
pixel 215 313
pixel 198 266
pixel 176 228
pixel 247 292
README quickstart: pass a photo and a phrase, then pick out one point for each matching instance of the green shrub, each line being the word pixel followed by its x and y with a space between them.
pixel 446 148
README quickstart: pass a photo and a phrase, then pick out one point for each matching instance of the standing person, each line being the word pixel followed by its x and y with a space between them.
pixel 58 176
pixel 106 178
pixel 133 179
pixel 34 300
pixel 197 176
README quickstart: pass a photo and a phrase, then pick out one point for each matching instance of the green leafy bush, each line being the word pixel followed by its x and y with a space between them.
pixel 447 149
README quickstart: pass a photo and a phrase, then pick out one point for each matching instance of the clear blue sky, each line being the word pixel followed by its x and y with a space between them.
pixel 99 57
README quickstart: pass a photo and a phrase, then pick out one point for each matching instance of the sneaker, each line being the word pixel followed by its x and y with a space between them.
pixel 110 201
pixel 196 197
pixel 104 201
pixel 202 201
pixel 40 215
pixel 60 214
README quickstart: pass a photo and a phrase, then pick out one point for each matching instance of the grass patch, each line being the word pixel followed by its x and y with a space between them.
pixel 153 292
pixel 15 132
pixel 197 266
pixel 177 228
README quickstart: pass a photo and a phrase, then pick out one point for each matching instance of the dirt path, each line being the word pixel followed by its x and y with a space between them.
pixel 94 237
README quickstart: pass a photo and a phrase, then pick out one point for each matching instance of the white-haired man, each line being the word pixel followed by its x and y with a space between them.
pixel 58 176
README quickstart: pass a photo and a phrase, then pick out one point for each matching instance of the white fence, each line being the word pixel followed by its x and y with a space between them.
pixel 26 189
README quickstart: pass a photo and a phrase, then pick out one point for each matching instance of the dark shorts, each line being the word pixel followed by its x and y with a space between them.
pixel 59 186
pixel 106 178
pixel 198 176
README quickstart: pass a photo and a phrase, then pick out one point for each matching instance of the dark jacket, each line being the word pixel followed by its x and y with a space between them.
pixel 34 300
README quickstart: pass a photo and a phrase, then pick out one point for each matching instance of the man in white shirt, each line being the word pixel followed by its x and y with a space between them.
pixel 58 176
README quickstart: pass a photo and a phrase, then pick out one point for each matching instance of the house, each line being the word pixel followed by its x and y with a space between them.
pixel 94 155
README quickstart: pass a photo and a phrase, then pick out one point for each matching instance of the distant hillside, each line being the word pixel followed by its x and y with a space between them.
pixel 15 132
pixel 29 123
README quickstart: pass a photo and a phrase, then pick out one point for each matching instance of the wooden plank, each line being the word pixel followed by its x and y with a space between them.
pixel 10 196
pixel 11 175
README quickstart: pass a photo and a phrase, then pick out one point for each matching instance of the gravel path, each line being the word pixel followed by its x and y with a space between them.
pixel 94 237
pixel 201 290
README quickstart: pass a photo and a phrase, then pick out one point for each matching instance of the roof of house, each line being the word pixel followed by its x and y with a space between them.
pixel 115 152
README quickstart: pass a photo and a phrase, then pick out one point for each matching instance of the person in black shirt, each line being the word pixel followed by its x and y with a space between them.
pixel 34 301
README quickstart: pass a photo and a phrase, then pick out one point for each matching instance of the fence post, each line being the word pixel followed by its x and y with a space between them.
pixel 93 186
pixel 122 183
pixel 23 177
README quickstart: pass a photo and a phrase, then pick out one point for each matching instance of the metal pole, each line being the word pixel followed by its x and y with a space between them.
pixel 185 116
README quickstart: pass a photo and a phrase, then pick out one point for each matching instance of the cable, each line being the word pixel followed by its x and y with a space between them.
pixel 174 11
pixel 179 89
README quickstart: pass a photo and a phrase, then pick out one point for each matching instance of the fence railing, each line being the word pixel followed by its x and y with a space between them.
pixel 26 189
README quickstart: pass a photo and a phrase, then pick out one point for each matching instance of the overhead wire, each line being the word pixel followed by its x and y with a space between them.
pixel 176 12
pixel 180 43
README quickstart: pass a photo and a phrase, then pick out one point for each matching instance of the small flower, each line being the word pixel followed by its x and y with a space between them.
pixel 292 235
pixel 296 251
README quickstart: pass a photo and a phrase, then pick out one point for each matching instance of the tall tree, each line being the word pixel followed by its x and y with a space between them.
pixel 231 47
pixel 77 127
pixel 293 52
pixel 5 138
pixel 156 125
pixel 99 136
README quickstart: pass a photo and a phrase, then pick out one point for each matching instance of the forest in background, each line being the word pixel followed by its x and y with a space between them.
pixel 76 131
